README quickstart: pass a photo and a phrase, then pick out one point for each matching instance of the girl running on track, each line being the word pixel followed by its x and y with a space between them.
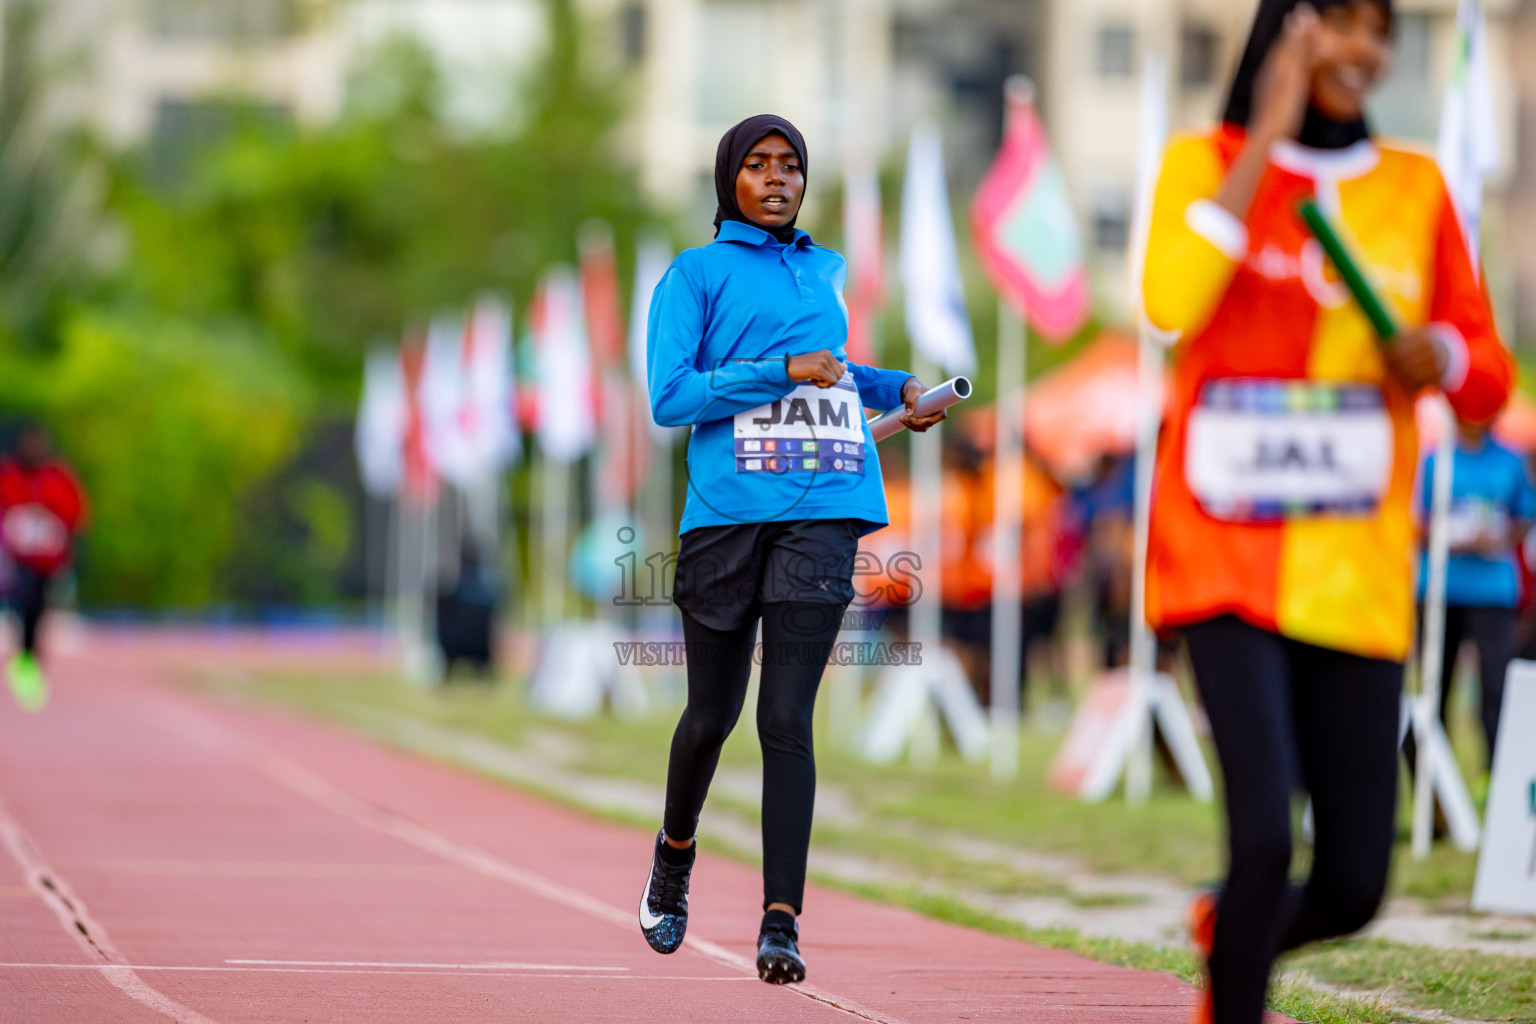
pixel 746 345
pixel 1282 531
pixel 41 509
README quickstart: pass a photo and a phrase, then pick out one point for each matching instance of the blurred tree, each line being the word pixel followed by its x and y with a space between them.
pixel 170 425
pixel 51 184
pixel 332 238
pixel 205 385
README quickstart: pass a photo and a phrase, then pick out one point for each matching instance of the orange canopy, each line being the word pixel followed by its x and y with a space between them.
pixel 1078 412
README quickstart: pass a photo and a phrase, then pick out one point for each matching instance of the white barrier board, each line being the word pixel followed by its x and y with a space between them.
pixel 1506 871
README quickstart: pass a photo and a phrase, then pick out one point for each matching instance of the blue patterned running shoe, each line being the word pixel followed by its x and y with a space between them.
pixel 664 904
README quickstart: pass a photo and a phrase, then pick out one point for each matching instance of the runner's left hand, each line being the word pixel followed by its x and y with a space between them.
pixel 911 391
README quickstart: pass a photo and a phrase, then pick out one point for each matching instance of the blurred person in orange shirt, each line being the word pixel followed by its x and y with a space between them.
pixel 968 562
pixel 965 579
pixel 42 507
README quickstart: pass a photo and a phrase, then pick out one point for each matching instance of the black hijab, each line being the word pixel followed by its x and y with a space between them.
pixel 734 146
pixel 1317 129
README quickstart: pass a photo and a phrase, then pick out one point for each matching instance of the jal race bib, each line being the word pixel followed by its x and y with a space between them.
pixel 809 430
pixel 1269 450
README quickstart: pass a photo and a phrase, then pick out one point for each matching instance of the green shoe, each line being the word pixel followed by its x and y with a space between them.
pixel 27 683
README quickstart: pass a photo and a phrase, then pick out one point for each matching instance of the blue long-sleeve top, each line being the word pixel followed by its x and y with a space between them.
pixel 722 321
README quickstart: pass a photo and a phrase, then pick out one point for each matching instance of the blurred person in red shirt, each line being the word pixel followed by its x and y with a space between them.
pixel 41 508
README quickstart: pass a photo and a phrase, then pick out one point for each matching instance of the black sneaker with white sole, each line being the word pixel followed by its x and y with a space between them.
pixel 664 904
pixel 778 949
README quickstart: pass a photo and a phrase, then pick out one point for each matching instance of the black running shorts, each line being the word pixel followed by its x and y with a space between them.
pixel 725 574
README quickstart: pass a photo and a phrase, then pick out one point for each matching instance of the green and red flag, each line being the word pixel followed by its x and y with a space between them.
pixel 1022 225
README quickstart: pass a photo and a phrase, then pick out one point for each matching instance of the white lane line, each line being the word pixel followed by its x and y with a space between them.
pixel 215 736
pixel 92 938
pixel 384 971
pixel 445 967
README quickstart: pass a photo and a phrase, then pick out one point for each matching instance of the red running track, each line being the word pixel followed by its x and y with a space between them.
pixel 166 856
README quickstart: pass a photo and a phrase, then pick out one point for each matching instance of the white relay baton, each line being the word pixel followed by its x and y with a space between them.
pixel 954 390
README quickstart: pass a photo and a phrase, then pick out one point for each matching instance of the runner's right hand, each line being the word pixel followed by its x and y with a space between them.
pixel 819 368
pixel 1285 80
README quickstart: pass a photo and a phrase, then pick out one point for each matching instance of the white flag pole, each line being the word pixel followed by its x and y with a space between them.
pixel 1138 777
pixel 1431 654
pixel 902 713
pixel 1149 363
pixel 928 536
pixel 1007 517
pixel 1467 152
pixel 555 480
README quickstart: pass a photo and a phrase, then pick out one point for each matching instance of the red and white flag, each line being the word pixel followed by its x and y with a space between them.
pixel 864 249
pixel 442 393
pixel 566 413
pixel 623 457
pixel 420 479
pixel 479 423
pixel 652 258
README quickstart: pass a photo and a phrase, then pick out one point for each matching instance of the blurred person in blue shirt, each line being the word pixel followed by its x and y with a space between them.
pixel 1493 506
pixel 1102 513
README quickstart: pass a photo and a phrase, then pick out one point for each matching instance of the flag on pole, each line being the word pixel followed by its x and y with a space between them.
pixel 442 393
pixel 420 480
pixel 1024 231
pixel 1468 146
pixel 652 259
pixel 567 422
pixel 937 321
pixel 864 248
pixel 1468 153
pixel 380 437
pixel 600 294
pixel 489 412
pixel 622 463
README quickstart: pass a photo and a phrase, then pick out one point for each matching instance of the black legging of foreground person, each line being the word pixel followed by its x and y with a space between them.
pixel 797 640
pixel 1288 716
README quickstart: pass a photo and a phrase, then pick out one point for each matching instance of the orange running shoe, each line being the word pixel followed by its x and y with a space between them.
pixel 1201 920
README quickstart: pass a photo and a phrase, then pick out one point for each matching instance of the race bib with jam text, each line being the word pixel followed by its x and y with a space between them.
pixel 809 430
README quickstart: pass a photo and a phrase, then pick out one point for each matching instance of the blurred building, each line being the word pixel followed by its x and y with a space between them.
pixel 855 75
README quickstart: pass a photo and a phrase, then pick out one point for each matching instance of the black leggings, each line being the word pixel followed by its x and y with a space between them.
pixel 1287 716
pixel 1492 632
pixel 30 593
pixel 797 639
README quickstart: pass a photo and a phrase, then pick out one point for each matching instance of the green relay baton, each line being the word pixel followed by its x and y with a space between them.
pixel 1338 252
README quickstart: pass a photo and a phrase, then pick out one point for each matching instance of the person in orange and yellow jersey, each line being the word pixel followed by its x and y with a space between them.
pixel 1282 535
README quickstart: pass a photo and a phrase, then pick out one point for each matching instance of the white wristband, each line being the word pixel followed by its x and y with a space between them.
pixel 1457 360
pixel 1217 225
